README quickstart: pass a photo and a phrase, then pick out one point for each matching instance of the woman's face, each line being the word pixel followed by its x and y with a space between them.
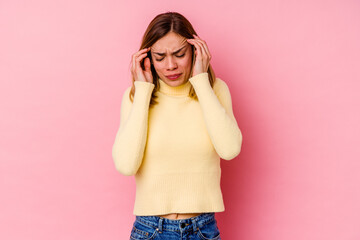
pixel 172 55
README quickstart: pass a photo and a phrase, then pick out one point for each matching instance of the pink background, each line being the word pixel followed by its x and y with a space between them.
pixel 293 69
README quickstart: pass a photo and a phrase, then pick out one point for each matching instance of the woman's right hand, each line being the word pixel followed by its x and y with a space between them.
pixel 138 73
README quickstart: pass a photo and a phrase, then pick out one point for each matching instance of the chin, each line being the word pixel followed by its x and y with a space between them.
pixel 175 82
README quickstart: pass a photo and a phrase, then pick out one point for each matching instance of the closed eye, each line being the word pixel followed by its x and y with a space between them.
pixel 159 60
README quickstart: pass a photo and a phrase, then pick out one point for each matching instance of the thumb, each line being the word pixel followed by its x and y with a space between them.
pixel 147 64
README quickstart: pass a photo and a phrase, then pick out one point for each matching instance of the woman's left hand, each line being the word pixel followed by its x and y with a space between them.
pixel 202 55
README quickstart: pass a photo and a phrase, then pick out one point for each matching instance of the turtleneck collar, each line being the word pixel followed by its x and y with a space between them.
pixel 182 90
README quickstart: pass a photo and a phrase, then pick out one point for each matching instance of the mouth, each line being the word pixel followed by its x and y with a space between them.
pixel 174 76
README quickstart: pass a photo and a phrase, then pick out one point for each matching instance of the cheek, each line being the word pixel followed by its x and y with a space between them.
pixel 157 66
pixel 186 62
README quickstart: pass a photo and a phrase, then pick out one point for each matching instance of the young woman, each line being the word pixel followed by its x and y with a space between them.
pixel 176 122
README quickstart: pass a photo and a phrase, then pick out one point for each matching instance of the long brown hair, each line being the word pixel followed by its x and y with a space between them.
pixel 161 25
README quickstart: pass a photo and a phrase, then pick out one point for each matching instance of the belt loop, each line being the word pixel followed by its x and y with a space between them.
pixel 160 224
pixel 194 224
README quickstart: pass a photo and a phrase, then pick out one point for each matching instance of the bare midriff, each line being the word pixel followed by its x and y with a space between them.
pixel 175 216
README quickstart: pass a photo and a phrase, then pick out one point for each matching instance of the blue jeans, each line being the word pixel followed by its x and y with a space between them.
pixel 203 226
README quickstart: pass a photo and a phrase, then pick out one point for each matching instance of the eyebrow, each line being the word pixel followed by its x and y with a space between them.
pixel 162 54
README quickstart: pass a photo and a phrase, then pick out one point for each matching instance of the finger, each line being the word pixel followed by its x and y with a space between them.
pixel 137 62
pixel 142 50
pixel 197 46
pixel 201 49
pixel 135 55
pixel 140 58
pixel 205 47
pixel 205 55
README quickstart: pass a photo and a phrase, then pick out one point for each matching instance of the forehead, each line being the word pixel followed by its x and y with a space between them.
pixel 169 43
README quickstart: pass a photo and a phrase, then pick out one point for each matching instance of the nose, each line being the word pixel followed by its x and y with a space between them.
pixel 171 63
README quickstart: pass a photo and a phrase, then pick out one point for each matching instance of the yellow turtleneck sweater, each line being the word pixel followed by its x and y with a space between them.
pixel 174 148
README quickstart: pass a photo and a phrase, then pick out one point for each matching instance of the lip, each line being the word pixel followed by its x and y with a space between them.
pixel 174 76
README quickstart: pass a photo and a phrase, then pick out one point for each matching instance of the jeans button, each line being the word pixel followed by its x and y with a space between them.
pixel 182 225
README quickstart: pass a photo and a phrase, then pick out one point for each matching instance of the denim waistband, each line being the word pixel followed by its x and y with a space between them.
pixel 177 225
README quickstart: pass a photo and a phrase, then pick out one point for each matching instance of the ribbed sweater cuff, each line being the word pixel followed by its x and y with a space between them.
pixel 201 82
pixel 143 91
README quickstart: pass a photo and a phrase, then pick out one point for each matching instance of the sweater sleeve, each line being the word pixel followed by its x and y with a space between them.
pixel 217 110
pixel 130 140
